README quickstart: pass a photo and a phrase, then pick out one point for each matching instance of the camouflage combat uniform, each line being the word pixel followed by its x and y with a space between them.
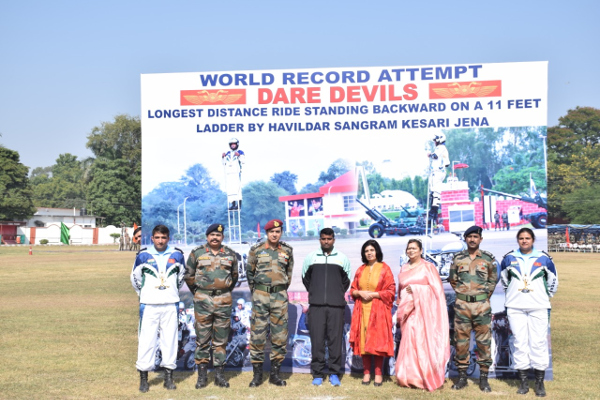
pixel 269 276
pixel 474 281
pixel 211 278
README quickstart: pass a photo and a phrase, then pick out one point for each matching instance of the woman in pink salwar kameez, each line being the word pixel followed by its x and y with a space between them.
pixel 425 345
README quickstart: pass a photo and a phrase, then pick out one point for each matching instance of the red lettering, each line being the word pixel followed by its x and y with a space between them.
pixel 411 92
pixel 336 94
pixel 392 95
pixel 353 94
pixel 280 96
pixel 370 96
pixel 265 96
pixel 297 94
pixel 313 94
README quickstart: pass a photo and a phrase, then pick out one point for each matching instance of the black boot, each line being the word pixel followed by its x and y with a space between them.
pixel 540 390
pixel 484 385
pixel 169 384
pixel 202 376
pixel 144 381
pixel 257 369
pixel 462 380
pixel 274 378
pixel 219 378
pixel 524 387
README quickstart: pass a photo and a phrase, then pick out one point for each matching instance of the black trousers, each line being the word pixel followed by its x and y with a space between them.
pixel 326 324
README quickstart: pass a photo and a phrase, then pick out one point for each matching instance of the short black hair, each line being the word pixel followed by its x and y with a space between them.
pixel 161 229
pixel 378 252
pixel 139 228
pixel 526 230
pixel 327 231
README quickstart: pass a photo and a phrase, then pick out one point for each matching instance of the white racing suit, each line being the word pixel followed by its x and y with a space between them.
pixel 232 162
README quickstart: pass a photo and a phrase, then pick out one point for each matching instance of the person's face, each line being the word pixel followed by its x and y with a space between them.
pixel 413 251
pixel 233 146
pixel 370 254
pixel 273 235
pixel 161 241
pixel 214 240
pixel 137 237
pixel 473 240
pixel 327 242
pixel 525 242
pixel 239 306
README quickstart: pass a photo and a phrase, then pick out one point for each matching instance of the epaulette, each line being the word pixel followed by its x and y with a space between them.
pixel 286 245
pixel 512 251
pixel 194 249
pixel 257 245
pixel 144 249
pixel 487 253
pixel 179 250
pixel 547 255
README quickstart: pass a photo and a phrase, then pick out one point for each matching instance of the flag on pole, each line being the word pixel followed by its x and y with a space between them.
pixel 64 233
pixel 258 229
pixel 568 238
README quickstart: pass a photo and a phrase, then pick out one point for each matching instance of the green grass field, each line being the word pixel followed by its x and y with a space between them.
pixel 69 331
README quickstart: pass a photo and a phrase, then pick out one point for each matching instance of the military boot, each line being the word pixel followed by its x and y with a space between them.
pixel 220 378
pixel 524 387
pixel 462 380
pixel 484 385
pixel 274 378
pixel 540 390
pixel 202 376
pixel 144 387
pixel 257 369
pixel 169 384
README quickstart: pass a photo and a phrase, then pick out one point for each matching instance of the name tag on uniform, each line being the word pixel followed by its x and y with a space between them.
pixel 204 258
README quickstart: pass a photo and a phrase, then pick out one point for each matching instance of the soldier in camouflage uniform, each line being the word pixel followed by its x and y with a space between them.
pixel 211 274
pixel 270 266
pixel 473 277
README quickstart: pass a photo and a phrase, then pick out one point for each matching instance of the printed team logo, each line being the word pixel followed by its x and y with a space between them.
pixel 213 97
pixel 465 89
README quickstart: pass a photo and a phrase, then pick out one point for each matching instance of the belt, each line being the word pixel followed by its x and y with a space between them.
pixel 213 292
pixel 269 289
pixel 471 299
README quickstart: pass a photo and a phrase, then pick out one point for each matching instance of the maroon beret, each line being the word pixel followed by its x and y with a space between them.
pixel 274 223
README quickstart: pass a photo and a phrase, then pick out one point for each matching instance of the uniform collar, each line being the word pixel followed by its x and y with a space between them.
pixel 152 250
pixel 534 253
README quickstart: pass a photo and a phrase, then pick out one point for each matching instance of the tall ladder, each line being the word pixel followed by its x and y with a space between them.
pixel 235 226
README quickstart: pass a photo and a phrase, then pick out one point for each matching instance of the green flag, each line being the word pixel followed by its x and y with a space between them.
pixel 64 233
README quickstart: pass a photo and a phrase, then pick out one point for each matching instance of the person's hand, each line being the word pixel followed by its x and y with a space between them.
pixel 223 156
pixel 366 296
pixel 409 290
pixel 237 154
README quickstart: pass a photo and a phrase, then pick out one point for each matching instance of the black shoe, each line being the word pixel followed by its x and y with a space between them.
pixel 219 378
pixel 484 385
pixel 257 370
pixel 462 380
pixel 144 387
pixel 538 388
pixel 169 384
pixel 524 386
pixel 274 378
pixel 202 376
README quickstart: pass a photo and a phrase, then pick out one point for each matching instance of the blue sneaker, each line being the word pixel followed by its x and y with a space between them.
pixel 317 381
pixel 334 380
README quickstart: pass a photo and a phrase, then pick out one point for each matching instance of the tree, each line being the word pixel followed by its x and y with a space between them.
pixel 574 166
pixel 115 194
pixel 15 201
pixel 286 180
pixel 61 185
pixel 261 204
pixel 338 168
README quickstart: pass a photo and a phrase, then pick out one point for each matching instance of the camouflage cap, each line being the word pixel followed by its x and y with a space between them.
pixel 274 223
pixel 474 229
pixel 214 227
